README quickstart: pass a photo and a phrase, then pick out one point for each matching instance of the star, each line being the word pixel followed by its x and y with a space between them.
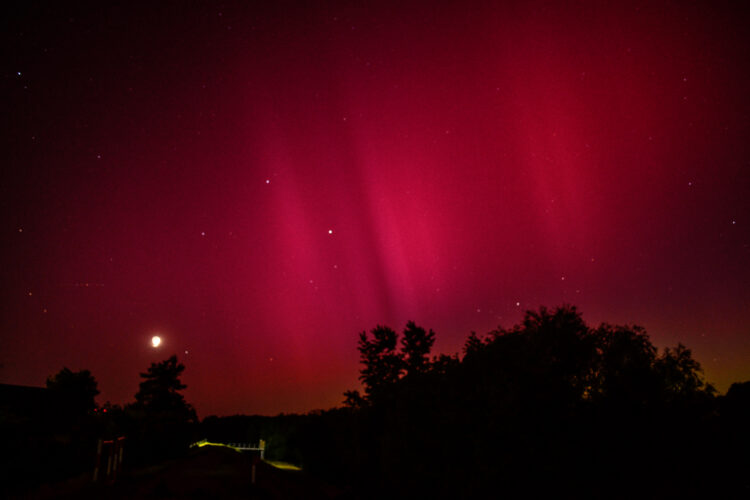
pixel 268 181
pixel 330 231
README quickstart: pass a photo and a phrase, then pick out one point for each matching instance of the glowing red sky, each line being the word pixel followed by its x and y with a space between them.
pixel 258 186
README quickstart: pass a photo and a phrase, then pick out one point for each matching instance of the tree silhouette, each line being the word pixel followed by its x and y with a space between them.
pixel 161 421
pixel 737 400
pixel 353 399
pixel 548 406
pixel 681 374
pixel 473 344
pixel 383 364
pixel 624 374
pixel 75 391
pixel 159 391
pixel 415 346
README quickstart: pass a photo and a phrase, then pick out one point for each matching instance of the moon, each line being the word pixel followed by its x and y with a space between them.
pixel 155 341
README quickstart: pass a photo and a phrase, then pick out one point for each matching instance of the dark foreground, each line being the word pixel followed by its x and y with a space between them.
pixel 216 473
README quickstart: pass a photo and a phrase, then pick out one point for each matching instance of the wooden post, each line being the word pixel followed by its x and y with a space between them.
pixel 115 458
pixel 122 447
pixel 98 459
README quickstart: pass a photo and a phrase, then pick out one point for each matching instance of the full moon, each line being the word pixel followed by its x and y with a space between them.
pixel 155 341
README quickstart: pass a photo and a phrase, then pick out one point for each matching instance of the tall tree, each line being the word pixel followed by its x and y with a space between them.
pixel 159 392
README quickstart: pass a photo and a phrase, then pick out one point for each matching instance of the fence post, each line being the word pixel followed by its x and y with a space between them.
pixel 122 447
pixel 115 458
pixel 98 459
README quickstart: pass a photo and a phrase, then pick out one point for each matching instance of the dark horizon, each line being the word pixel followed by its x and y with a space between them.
pixel 549 406
pixel 30 394
pixel 258 184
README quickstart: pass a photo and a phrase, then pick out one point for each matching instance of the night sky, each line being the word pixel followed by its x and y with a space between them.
pixel 258 184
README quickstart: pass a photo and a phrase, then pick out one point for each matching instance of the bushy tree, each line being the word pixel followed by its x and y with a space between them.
pixel 75 391
pixel 681 376
pixel 624 373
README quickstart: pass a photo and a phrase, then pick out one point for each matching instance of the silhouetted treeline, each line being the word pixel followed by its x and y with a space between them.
pixel 548 407
pixel 51 433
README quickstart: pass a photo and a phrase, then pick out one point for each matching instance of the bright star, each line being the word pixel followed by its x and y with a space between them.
pixel 155 341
